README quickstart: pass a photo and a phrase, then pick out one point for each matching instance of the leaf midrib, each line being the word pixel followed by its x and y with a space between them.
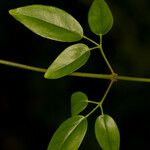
pixel 49 23
pixel 71 132
pixel 71 62
pixel 107 133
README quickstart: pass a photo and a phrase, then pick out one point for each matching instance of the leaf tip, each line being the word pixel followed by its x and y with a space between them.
pixel 11 11
pixel 46 76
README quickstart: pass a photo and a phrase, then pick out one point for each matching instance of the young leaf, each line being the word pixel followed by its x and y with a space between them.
pixel 49 22
pixel 71 59
pixel 100 18
pixel 107 133
pixel 69 135
pixel 78 102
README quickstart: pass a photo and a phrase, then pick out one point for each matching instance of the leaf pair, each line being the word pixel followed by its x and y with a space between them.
pixel 106 130
pixel 56 24
pixel 72 131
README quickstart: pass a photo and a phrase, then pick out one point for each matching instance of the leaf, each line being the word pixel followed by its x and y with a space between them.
pixel 78 102
pixel 49 22
pixel 100 18
pixel 69 135
pixel 107 133
pixel 71 59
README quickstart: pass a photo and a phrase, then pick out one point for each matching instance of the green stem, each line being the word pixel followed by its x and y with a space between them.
pixel 93 110
pixel 104 97
pixel 101 107
pixel 93 48
pixel 43 70
pixel 77 74
pixel 85 37
pixel 108 89
pixel 135 79
pixel 101 39
pixel 92 102
pixel 22 66
pixel 101 102
pixel 92 75
pixel 104 56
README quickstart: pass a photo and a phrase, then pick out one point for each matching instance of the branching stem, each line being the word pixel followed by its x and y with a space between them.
pixel 104 56
pixel 101 102
pixel 87 38
pixel 77 74
pixel 108 89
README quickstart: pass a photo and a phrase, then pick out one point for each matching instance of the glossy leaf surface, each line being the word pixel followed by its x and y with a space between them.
pixel 107 133
pixel 78 102
pixel 71 59
pixel 69 135
pixel 100 18
pixel 49 22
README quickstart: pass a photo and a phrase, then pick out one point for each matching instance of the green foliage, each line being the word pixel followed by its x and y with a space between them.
pixel 49 22
pixel 79 102
pixel 100 18
pixel 107 133
pixel 56 24
pixel 71 59
pixel 69 135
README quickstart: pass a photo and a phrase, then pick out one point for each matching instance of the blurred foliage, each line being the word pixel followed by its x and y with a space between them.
pixel 31 108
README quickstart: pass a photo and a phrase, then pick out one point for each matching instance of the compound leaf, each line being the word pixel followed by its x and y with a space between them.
pixel 69 135
pixel 49 22
pixel 107 133
pixel 71 59
pixel 78 102
pixel 100 18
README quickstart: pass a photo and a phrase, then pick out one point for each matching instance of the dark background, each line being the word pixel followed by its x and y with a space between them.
pixel 31 107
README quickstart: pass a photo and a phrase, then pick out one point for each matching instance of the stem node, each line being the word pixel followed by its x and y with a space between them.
pixel 114 77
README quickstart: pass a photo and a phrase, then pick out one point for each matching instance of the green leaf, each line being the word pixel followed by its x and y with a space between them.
pixel 49 22
pixel 71 59
pixel 107 133
pixel 69 135
pixel 78 102
pixel 100 18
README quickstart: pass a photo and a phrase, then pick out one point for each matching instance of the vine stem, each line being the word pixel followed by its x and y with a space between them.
pixel 106 93
pixel 77 74
pixel 22 66
pixel 102 100
pixel 91 112
pixel 136 79
pixel 104 56
pixel 87 38
pixel 101 50
pixel 92 102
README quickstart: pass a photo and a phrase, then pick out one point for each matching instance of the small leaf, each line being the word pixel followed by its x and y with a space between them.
pixel 49 22
pixel 69 135
pixel 78 102
pixel 107 133
pixel 100 18
pixel 71 59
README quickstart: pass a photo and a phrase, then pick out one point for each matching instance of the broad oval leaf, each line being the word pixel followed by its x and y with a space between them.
pixel 71 59
pixel 107 133
pixel 78 102
pixel 49 22
pixel 100 17
pixel 69 135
